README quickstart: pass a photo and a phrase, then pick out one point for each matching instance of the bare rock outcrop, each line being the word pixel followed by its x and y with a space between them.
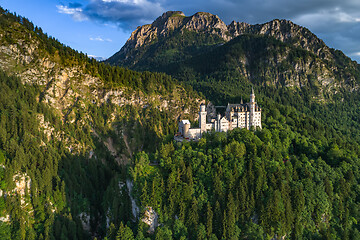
pixel 173 21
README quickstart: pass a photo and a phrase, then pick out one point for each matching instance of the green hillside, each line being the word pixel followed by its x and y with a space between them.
pixel 227 73
pixel 280 181
pixel 68 127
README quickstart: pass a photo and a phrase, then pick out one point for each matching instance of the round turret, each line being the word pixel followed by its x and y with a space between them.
pixel 186 130
pixel 202 118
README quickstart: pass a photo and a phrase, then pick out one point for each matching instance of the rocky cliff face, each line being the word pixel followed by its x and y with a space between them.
pixel 283 30
pixel 176 20
pixel 66 88
pixel 165 26
pixel 201 22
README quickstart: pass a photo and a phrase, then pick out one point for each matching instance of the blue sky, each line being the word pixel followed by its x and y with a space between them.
pixel 92 37
pixel 101 27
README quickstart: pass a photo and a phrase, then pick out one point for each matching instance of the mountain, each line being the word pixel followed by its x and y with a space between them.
pixel 151 41
pixel 174 38
pixel 175 22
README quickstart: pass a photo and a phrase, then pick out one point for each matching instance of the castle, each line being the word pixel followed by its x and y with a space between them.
pixel 236 116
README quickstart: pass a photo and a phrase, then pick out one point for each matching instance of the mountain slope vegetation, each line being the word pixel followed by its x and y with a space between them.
pixel 290 180
pixel 69 126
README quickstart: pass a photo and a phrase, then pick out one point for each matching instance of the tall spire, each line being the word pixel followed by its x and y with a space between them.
pixel 252 95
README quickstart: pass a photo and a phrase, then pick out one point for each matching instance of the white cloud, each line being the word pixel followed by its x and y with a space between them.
pixel 96 57
pixel 76 13
pixel 327 17
pixel 132 2
pixel 341 16
pixel 120 1
pixel 100 39
pixel 355 54
pixel 128 14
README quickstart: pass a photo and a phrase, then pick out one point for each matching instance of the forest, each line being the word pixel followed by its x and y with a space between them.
pixel 297 178
pixel 61 186
pixel 50 190
pixel 284 180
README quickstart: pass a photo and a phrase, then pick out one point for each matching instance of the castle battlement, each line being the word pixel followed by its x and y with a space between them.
pixel 236 116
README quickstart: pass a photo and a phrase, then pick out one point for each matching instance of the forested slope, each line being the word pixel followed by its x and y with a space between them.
pixel 297 178
pixel 69 126
pixel 291 180
pixel 280 74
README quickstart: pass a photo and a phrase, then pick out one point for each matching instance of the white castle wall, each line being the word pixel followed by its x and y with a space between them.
pixel 236 116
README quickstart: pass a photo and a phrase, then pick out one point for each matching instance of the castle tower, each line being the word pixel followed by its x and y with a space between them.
pixel 252 96
pixel 186 130
pixel 202 118
pixel 231 115
pixel 252 105
pixel 218 123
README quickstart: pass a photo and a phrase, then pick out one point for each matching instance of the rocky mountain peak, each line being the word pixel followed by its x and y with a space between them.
pixel 171 20
pixel 289 32
pixel 206 23
pixel 147 33
pixel 283 30
pixel 160 21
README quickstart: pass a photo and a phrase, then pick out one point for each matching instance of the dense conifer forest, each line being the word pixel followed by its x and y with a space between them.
pixel 293 180
pixel 60 189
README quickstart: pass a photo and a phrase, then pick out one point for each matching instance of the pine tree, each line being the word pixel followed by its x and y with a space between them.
pixel 124 233
pixel 225 227
pixel 231 221
pixel 217 225
pixel 111 233
pixel 209 220
pixel 193 218
pixel 201 232
pixel 182 211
